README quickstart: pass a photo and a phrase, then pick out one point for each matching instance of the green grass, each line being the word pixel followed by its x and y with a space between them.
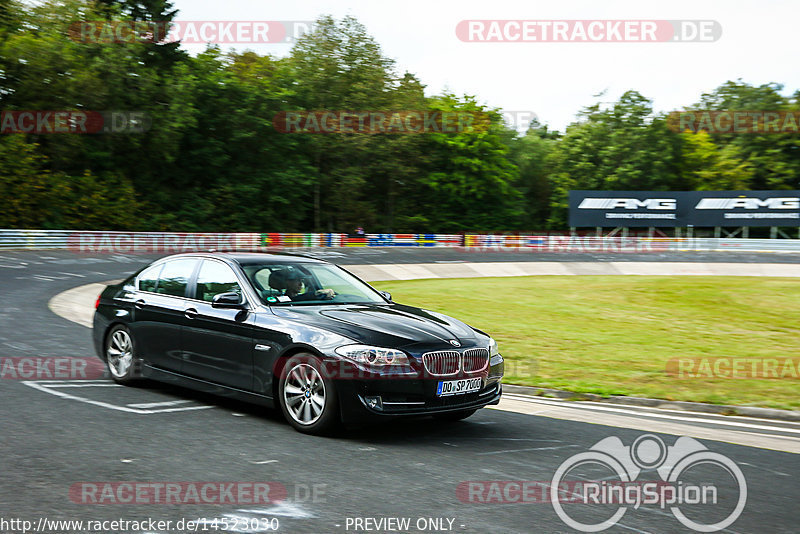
pixel 613 335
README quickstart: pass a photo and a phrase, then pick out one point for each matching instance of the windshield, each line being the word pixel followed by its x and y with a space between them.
pixel 308 283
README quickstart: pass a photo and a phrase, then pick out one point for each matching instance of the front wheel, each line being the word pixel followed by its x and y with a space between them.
pixel 120 355
pixel 308 399
pixel 454 416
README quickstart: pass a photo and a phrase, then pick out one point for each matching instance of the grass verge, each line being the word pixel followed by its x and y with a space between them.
pixel 614 335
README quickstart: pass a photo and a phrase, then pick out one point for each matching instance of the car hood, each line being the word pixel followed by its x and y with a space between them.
pixel 392 325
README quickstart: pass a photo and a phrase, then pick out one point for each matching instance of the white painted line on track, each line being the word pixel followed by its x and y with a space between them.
pixel 695 418
pixel 74 385
pixel 54 382
pixel 49 388
pixel 48 278
pixel 146 405
pixel 776 437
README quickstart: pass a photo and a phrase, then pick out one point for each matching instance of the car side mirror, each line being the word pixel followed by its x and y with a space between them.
pixel 227 300
pixel 386 295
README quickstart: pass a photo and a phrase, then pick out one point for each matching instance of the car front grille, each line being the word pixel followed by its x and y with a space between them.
pixel 450 362
pixel 442 363
pixel 475 360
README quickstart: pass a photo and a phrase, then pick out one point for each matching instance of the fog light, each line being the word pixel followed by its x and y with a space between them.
pixel 374 403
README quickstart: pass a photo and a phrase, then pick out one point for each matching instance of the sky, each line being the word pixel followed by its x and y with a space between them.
pixel 555 80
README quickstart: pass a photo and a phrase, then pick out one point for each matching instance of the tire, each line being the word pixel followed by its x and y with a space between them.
pixel 307 397
pixel 120 355
pixel 454 416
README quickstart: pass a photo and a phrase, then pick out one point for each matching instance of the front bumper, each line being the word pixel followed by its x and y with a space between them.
pixel 377 397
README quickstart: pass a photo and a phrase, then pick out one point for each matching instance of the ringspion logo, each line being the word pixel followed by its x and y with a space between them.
pixel 674 464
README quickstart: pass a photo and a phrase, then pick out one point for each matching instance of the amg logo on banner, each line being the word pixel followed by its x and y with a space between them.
pixel 779 203
pixel 628 204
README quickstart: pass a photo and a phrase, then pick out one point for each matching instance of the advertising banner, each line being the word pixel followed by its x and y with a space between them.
pixel 627 208
pixel 683 208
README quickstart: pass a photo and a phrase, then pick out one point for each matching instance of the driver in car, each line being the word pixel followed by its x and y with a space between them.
pixel 292 281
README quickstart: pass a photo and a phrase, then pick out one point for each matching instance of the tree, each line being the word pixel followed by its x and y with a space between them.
pixel 35 197
pixel 161 13
pixel 707 167
pixel 533 156
pixel 774 158
pixel 469 182
pixel 623 147
pixel 339 67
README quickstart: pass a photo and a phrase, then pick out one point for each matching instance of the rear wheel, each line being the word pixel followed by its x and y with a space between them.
pixel 308 399
pixel 454 416
pixel 120 355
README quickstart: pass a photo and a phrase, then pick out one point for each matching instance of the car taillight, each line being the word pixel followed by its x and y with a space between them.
pixel 97 302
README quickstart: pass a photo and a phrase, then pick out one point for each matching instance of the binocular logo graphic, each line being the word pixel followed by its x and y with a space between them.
pixel 648 452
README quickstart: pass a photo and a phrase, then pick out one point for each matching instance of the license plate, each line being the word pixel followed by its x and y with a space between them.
pixel 458 387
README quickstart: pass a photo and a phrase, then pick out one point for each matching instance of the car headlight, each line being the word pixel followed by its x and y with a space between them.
pixel 377 356
pixel 494 353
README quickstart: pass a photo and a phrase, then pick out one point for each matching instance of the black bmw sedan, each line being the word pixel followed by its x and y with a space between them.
pixel 295 332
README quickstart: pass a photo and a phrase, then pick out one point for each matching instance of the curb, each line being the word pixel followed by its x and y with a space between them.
pixel 699 407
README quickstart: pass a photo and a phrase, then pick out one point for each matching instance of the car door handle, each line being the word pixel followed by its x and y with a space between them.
pixel 190 313
pixel 139 304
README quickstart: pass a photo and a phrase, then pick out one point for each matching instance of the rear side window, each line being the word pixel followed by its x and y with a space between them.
pixel 148 279
pixel 175 277
pixel 215 278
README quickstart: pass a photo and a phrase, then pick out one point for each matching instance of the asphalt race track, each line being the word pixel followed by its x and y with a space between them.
pixel 56 436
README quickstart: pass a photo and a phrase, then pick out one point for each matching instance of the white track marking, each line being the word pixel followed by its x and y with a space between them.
pixel 282 508
pixel 49 388
pixel 146 405
pixel 75 385
pixel 694 418
pixel 526 450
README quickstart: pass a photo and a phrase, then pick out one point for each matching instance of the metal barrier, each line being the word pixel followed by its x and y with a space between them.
pixel 98 242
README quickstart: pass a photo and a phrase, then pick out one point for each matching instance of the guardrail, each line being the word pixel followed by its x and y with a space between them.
pixel 99 242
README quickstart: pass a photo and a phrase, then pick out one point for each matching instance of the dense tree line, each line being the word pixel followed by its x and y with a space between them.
pixel 212 159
